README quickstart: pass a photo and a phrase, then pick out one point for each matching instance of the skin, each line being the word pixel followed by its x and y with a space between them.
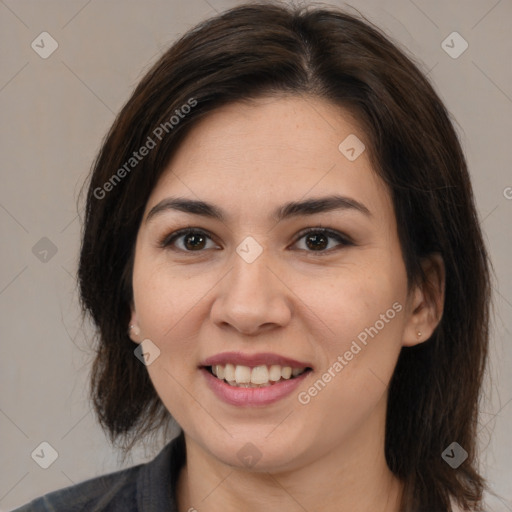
pixel 248 159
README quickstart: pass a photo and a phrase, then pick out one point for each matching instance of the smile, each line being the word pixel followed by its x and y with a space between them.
pixel 256 377
pixel 248 394
pixel 243 379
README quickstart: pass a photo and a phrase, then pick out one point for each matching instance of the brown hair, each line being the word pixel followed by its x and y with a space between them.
pixel 270 49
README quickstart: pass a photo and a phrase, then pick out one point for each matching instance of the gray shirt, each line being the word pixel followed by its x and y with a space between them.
pixel 148 487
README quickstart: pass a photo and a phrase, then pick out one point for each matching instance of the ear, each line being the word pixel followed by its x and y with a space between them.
pixel 426 302
pixel 133 327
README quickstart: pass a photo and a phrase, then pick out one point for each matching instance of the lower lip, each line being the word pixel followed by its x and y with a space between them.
pixel 252 396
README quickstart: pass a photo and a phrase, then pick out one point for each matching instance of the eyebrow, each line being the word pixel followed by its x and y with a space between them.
pixel 286 211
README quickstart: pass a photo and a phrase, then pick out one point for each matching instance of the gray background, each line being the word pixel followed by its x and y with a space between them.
pixel 55 112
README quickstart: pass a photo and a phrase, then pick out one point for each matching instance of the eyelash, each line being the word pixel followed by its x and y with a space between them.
pixel 343 240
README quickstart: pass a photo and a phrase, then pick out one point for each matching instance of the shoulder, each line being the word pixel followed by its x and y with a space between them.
pixel 142 488
pixel 114 492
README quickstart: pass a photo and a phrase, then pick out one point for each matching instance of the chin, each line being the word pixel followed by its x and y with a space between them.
pixel 255 451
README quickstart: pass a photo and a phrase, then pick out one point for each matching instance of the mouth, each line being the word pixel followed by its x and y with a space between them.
pixel 253 380
pixel 261 376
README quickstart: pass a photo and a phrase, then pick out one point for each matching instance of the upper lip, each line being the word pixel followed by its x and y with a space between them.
pixel 251 360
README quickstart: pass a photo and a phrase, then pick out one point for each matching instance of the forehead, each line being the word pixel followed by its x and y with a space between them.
pixel 257 155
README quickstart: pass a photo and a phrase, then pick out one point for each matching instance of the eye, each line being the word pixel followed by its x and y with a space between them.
pixel 317 239
pixel 189 240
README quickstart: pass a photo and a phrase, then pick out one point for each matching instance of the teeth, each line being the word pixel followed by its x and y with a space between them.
pixel 259 376
pixel 275 372
pixel 242 374
pixel 229 372
pixel 286 372
pixel 219 371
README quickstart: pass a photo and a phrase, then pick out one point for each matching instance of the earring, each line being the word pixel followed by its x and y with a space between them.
pixel 134 329
pixel 419 334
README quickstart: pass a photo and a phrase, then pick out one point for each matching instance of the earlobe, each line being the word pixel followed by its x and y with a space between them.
pixel 427 302
pixel 134 329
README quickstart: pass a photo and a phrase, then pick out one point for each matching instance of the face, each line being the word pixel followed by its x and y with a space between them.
pixel 263 288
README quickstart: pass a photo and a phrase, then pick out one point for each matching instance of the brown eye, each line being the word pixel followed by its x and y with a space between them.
pixel 194 241
pixel 318 240
pixel 187 240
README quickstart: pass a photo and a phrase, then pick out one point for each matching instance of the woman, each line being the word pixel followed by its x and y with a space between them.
pixel 281 253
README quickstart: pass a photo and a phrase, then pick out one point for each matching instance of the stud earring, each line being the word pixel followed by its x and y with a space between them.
pixel 134 329
pixel 419 334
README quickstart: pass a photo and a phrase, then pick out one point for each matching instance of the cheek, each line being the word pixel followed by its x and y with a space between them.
pixel 361 316
pixel 162 298
pixel 166 307
pixel 353 299
pixel 359 357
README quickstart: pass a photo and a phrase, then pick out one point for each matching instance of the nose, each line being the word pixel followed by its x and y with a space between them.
pixel 252 298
